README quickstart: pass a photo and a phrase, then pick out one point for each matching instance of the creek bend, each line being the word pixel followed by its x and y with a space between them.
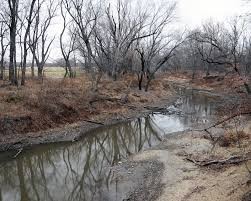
pixel 82 170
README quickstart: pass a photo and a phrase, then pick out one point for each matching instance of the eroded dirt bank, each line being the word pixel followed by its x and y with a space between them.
pixel 64 110
pixel 73 132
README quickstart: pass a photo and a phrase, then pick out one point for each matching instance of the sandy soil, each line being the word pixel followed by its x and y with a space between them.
pixel 182 180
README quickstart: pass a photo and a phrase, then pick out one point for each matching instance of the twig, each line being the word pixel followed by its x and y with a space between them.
pixel 222 121
pixel 228 118
pixel 19 151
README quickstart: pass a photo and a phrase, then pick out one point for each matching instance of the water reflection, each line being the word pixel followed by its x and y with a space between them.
pixel 80 171
pixel 76 171
pixel 192 110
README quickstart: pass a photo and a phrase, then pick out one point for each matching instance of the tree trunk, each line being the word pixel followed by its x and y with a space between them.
pixel 13 6
pixel 114 75
pixel 66 71
pixel 208 70
pixel 149 79
pixel 32 67
pixel 24 68
pixel 12 76
pixel 2 60
pixel 68 66
pixel 25 42
pixel 140 81
pixel 71 72
pixel 142 70
pixel 2 68
pixel 40 71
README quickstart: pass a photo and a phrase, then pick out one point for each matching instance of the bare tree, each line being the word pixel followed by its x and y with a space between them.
pixel 247 56
pixel 124 29
pixel 223 47
pixel 4 46
pixel 85 16
pixel 69 49
pixel 30 18
pixel 39 40
pixel 158 48
pixel 13 6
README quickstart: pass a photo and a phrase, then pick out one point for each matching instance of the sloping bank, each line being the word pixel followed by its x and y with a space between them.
pixel 73 132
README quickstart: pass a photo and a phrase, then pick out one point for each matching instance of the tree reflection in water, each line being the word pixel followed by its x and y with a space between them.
pixel 78 171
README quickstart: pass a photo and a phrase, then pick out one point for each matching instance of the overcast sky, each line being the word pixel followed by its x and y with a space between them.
pixel 194 12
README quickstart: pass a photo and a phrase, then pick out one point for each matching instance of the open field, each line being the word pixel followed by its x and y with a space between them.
pixel 49 72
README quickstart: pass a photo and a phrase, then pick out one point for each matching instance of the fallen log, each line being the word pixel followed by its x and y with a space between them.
pixel 93 122
pixel 155 108
pixel 230 160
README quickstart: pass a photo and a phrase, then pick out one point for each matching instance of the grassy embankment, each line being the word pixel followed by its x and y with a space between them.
pixel 57 101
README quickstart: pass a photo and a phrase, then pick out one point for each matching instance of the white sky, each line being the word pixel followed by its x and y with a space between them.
pixel 194 12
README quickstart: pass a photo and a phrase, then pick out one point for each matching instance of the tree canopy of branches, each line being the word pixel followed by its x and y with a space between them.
pixel 222 45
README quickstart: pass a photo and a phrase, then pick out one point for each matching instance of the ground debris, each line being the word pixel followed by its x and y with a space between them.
pixel 247 196
pixel 231 160
pixel 197 189
pixel 151 186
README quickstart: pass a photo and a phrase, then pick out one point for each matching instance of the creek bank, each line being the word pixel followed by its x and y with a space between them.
pixel 19 132
pixel 74 132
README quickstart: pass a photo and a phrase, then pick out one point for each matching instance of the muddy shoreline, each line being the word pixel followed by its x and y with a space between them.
pixel 75 131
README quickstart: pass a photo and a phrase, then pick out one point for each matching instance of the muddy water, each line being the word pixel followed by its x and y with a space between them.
pixel 82 170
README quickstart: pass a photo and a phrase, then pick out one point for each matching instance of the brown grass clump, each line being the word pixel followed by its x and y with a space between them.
pixel 232 138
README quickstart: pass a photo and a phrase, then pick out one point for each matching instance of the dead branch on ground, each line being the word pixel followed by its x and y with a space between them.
pixel 231 160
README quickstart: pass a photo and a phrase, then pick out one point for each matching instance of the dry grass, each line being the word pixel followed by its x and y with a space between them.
pixel 232 138
pixel 55 102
